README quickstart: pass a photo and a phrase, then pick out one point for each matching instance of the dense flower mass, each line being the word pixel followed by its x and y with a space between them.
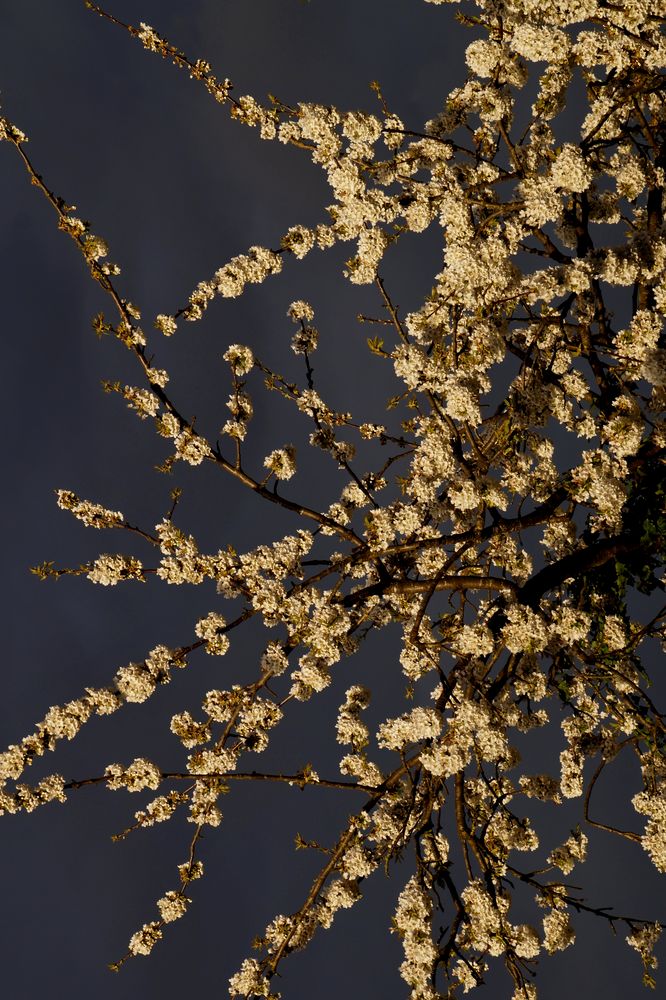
pixel 515 500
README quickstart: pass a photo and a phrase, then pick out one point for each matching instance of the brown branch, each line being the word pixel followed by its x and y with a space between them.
pixel 501 526
pixel 408 587
pixel 290 779
pixel 575 564
pixel 102 279
pixel 336 854
pixel 627 834
pixel 578 904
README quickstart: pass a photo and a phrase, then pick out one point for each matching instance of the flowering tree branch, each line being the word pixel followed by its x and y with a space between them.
pixel 507 557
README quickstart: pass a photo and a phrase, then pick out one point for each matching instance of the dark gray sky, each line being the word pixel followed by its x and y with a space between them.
pixel 177 189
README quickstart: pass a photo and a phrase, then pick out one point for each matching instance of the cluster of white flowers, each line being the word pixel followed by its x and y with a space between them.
pixel 191 447
pixel 412 922
pixel 149 37
pixel 166 324
pixel 652 803
pixel 644 939
pixel 190 732
pixel 93 515
pixel 160 809
pixel 140 774
pixel 204 810
pixel 11 132
pixel 558 931
pixel 350 730
pixel 299 240
pixel 248 111
pixel 137 681
pixel 540 786
pixel 172 906
pixel 158 377
pixel 211 629
pixel 306 339
pixel 419 724
pixel 239 358
pixel 300 310
pixel 282 462
pixel 143 942
pixel 142 401
pixel 181 560
pixel 525 630
pixel 250 982
pixel 230 281
pixel 108 570
pixel 573 850
pixel 26 798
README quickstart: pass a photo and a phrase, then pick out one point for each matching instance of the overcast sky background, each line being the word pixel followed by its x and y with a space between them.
pixel 177 189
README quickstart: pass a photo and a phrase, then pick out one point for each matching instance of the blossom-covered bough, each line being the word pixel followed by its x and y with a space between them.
pixel 517 498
